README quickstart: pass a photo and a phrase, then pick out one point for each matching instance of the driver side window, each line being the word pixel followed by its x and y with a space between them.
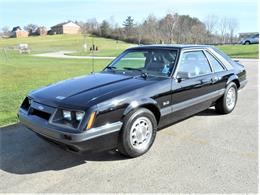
pixel 193 64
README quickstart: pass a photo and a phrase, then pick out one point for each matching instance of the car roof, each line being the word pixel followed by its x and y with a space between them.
pixel 171 46
pixel 228 63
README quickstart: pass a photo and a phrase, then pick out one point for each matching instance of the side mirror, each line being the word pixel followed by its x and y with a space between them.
pixel 182 76
pixel 179 79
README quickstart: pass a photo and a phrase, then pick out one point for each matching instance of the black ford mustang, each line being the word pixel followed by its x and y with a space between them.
pixel 142 90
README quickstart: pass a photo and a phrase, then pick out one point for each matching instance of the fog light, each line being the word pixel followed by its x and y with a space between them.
pixel 66 115
pixel 79 116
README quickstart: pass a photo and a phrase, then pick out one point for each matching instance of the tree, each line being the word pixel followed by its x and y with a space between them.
pixel 31 28
pixel 232 26
pixel 151 29
pixel 92 25
pixel 223 28
pixel 167 26
pixel 173 28
pixel 128 25
pixel 198 32
pixel 139 32
pixel 6 31
pixel 210 22
pixel 105 28
pixel 83 27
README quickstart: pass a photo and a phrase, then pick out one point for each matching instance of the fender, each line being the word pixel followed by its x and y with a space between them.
pixel 143 102
pixel 233 77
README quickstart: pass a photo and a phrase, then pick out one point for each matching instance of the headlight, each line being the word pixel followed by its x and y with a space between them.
pixel 79 116
pixel 26 103
pixel 66 115
pixel 68 118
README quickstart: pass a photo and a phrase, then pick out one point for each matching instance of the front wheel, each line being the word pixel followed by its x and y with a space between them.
pixel 227 103
pixel 138 133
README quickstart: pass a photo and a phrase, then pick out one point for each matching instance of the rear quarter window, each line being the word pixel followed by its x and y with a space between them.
pixel 217 67
pixel 226 60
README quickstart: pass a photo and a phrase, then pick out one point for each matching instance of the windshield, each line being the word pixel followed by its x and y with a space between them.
pixel 158 62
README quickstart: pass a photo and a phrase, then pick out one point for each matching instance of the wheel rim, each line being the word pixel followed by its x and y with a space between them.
pixel 141 133
pixel 231 98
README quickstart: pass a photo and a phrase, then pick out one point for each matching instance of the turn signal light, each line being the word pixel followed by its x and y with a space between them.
pixel 91 120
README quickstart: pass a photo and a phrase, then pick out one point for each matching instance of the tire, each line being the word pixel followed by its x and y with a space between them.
pixel 227 103
pixel 247 43
pixel 133 141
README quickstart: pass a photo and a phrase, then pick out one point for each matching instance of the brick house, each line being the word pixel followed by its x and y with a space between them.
pixel 65 28
pixel 18 32
pixel 41 31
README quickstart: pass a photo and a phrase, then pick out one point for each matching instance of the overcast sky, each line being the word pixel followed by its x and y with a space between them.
pixel 51 12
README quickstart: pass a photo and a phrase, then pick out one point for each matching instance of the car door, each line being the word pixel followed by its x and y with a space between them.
pixel 195 78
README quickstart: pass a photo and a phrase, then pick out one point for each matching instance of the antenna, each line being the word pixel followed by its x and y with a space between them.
pixel 93 55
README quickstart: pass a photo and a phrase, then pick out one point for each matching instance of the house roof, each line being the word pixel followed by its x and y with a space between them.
pixel 16 28
pixel 63 23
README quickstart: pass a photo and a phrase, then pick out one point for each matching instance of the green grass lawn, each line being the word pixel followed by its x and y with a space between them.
pixel 21 73
pixel 51 43
pixel 241 51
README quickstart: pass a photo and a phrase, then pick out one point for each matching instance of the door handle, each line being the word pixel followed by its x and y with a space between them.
pixel 215 79
pixel 206 81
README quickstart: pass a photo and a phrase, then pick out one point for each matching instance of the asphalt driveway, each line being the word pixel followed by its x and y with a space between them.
pixel 206 153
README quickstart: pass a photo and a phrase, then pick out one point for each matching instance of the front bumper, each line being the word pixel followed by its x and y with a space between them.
pixel 100 138
pixel 243 84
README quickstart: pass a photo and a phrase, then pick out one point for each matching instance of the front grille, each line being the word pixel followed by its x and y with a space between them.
pixel 40 114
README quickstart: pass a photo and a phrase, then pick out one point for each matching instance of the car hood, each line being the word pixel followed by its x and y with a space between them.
pixel 81 91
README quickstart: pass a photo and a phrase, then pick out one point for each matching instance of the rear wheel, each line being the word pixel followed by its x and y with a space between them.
pixel 228 102
pixel 247 43
pixel 138 133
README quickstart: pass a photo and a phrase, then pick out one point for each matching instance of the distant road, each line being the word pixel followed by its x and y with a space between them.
pixel 61 54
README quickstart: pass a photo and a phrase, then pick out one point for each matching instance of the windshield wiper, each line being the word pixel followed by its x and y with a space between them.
pixel 143 74
pixel 130 68
pixel 111 67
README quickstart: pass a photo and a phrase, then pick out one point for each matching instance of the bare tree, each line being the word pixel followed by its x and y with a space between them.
pixel 92 25
pixel 223 24
pixel 210 22
pixel 150 28
pixel 31 28
pixel 6 31
pixel 112 22
pixel 168 24
pixel 140 32
pixel 84 29
pixel 232 26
